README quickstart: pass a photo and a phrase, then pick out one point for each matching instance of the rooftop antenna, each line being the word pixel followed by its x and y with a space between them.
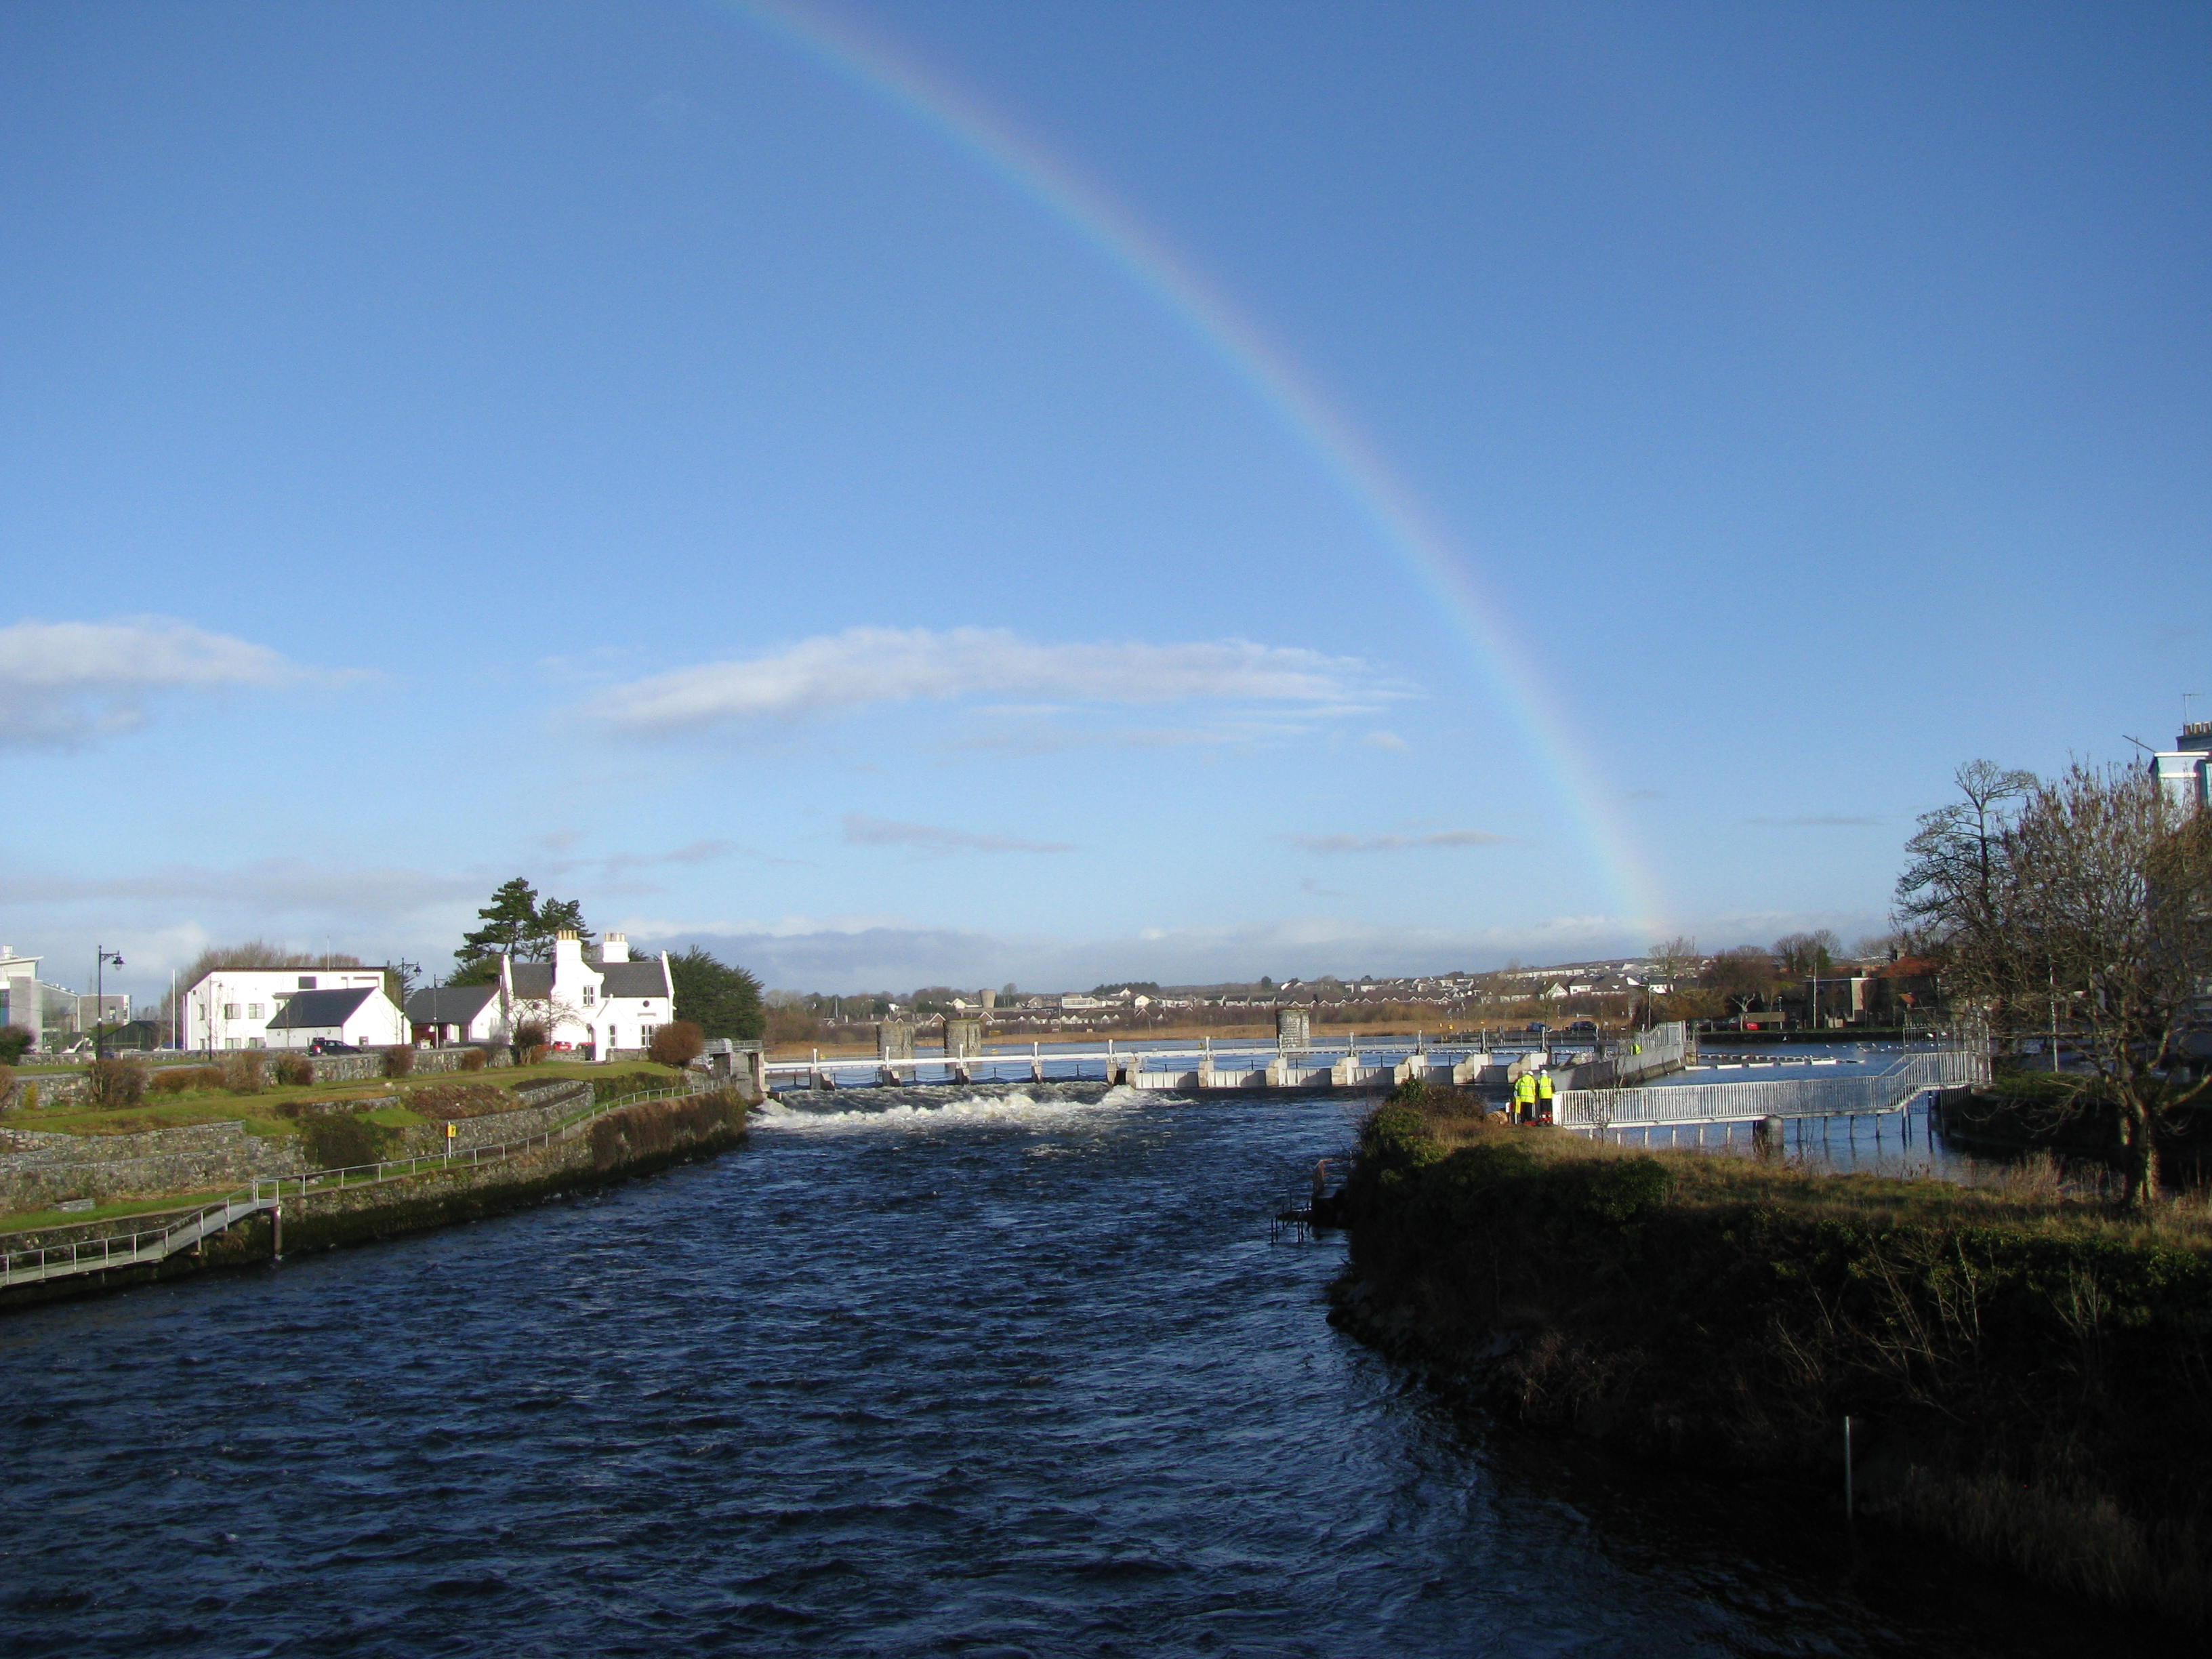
pixel 2187 697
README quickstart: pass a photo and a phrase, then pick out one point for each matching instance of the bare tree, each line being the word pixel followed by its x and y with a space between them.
pixel 1953 897
pixel 2108 899
pixel 1741 976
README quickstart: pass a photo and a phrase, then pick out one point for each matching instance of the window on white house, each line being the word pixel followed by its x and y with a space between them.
pixel 307 981
pixel 587 996
pixel 645 1036
pixel 230 1042
pixel 230 1011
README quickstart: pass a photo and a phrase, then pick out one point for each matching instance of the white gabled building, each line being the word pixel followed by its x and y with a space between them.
pixel 237 1008
pixel 612 1003
pixel 443 1016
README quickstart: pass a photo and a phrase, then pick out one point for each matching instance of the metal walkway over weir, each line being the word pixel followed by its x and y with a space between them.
pixel 1608 1112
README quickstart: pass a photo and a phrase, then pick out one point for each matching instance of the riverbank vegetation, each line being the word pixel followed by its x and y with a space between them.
pixel 2025 1368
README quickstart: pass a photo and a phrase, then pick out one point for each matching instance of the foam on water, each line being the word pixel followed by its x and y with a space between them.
pixel 926 1106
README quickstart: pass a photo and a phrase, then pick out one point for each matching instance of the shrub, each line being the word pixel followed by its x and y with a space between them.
pixel 399 1060
pixel 28 1100
pixel 175 1079
pixel 294 1070
pixel 7 1079
pixel 241 1072
pixel 116 1082
pixel 14 1042
pixel 337 1140
pixel 677 1044
pixel 475 1059
pixel 530 1040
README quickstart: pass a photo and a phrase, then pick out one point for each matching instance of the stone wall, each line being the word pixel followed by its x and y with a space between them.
pixel 39 1170
pixel 549 1102
pixel 626 1141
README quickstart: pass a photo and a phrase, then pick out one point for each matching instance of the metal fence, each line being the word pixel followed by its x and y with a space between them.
pixel 1887 1090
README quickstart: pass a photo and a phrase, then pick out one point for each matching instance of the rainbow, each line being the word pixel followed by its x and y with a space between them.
pixel 1276 383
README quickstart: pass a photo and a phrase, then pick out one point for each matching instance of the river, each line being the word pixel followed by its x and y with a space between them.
pixel 994 1379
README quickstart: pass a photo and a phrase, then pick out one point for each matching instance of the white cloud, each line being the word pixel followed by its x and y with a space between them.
pixel 1435 838
pixel 837 673
pixel 65 684
pixel 1386 740
pixel 861 831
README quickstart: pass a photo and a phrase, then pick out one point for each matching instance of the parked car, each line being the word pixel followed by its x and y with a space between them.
pixel 1537 1026
pixel 331 1045
pixel 1583 1025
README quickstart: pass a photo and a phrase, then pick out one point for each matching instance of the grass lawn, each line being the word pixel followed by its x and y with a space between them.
pixel 169 1204
pixel 259 1114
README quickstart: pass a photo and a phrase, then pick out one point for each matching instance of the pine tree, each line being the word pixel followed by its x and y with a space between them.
pixel 511 925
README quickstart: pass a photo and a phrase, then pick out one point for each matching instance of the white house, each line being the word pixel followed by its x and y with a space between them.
pixel 443 1015
pixel 612 1003
pixel 364 1016
pixel 233 1008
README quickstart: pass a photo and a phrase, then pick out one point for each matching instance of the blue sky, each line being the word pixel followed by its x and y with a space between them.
pixel 618 444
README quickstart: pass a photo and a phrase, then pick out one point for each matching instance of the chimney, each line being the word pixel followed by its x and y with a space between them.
pixel 568 955
pixel 614 947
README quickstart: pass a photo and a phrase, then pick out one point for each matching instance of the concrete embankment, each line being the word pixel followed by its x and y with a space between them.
pixel 2024 1374
pixel 621 1142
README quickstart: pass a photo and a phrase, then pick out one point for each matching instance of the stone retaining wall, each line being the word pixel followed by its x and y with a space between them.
pixel 39 1170
pixel 549 1104
pixel 625 1142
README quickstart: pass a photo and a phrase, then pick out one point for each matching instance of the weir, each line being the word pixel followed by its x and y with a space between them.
pixel 1295 1062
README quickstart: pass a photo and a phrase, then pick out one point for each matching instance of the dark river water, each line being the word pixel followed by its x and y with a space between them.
pixel 1006 1378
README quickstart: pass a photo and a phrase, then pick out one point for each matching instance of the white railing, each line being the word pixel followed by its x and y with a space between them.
pixel 1890 1090
pixel 267 1191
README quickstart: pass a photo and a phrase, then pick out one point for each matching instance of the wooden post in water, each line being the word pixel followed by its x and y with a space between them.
pixel 277 1231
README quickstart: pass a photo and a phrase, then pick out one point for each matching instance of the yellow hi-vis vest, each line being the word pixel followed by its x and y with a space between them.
pixel 1524 1088
pixel 1545 1089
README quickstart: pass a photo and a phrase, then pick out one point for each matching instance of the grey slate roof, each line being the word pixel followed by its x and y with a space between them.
pixel 449 1005
pixel 309 1010
pixel 635 979
pixel 533 980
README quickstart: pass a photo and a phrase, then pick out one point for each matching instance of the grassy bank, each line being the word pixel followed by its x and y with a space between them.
pixel 277 1108
pixel 633 1141
pixel 2027 1373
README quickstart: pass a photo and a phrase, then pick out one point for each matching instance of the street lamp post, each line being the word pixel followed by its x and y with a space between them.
pixel 101 956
